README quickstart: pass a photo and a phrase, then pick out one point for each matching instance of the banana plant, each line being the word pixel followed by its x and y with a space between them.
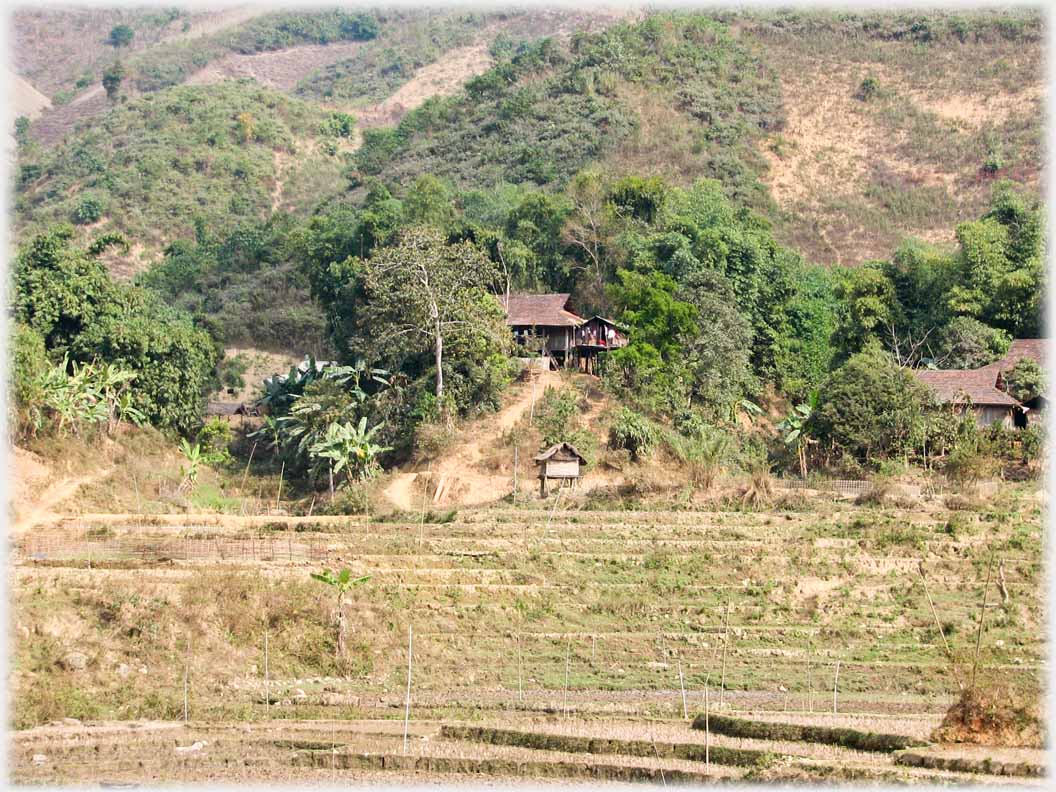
pixel 349 448
pixel 342 582
pixel 193 455
pixel 795 428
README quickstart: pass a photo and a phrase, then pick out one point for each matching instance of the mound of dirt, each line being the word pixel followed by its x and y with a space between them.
pixel 996 715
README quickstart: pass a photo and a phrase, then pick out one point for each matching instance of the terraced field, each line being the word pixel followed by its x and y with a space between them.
pixel 530 615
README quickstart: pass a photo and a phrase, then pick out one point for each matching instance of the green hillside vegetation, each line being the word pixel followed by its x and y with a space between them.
pixel 549 109
pixel 158 167
pixel 524 182
pixel 409 40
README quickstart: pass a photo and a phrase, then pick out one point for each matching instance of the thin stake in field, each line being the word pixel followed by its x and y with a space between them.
pixel 810 678
pixel 682 685
pixel 568 660
pixel 707 725
pixel 938 626
pixel 242 489
pixel 835 682
pixel 520 670
pixel 267 686
pixel 982 618
pixel 725 645
pixel 407 703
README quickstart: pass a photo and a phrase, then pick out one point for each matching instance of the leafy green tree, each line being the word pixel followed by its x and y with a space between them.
pixel 967 343
pixel 1025 381
pixel 120 36
pixel 67 296
pixel 869 407
pixel 428 202
pixel 999 269
pixel 424 294
pixel 868 307
pixel 22 124
pixel 113 76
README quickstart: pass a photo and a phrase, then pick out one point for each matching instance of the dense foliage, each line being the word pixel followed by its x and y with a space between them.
pixel 154 167
pixel 65 298
pixel 548 109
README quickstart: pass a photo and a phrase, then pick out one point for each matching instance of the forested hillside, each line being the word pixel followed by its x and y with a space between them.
pixel 667 169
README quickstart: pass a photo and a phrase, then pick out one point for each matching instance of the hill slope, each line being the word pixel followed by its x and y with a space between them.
pixel 154 167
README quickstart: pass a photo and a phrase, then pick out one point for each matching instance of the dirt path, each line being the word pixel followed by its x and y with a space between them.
pixel 455 470
pixel 41 510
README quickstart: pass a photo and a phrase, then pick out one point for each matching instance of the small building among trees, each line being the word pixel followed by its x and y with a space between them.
pixel 560 462
pixel 545 324
pixel 994 392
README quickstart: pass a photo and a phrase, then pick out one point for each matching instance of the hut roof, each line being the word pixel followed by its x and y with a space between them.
pixel 541 310
pixel 545 455
pixel 978 385
pixel 225 408
pixel 1032 348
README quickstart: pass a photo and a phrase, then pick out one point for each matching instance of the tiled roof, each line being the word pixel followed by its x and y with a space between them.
pixel 542 310
pixel 1033 348
pixel 955 384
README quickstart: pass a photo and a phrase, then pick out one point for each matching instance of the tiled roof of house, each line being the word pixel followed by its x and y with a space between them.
pixel 977 385
pixel 541 310
pixel 1033 348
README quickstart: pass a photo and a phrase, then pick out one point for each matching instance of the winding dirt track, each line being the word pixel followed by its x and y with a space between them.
pixel 458 464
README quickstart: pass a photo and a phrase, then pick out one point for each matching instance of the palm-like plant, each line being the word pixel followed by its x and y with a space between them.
pixel 193 455
pixel 342 582
pixel 349 448
pixel 796 428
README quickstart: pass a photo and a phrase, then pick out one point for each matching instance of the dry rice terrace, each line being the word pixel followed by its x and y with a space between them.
pixel 568 622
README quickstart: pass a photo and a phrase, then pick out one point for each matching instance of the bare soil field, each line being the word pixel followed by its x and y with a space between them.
pixel 565 644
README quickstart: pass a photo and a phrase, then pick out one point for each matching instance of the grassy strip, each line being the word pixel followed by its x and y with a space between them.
pixel 598 745
pixel 963 764
pixel 848 738
pixel 496 767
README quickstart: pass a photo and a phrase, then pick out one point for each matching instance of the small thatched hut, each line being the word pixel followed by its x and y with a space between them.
pixel 561 462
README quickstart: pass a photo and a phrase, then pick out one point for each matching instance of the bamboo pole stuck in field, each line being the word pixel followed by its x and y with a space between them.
pixel 810 678
pixel 551 517
pixel 520 670
pixel 568 660
pixel 407 702
pixel 682 685
pixel 421 526
pixel 658 765
pixel 278 492
pixel 835 682
pixel 139 500
pixel 982 618
pixel 242 489
pixel 938 626
pixel 725 645
pixel 186 684
pixel 707 727
pixel 267 686
pixel 515 449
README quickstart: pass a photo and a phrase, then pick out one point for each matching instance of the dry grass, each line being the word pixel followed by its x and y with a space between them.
pixel 994 713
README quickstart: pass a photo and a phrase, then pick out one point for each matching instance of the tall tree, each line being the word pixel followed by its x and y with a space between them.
pixel 424 291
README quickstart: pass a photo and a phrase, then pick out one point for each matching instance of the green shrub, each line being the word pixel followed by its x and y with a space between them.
pixel 88 210
pixel 556 413
pixel 634 432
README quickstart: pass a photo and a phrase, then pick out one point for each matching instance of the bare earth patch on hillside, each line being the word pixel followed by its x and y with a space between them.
pixel 852 178
pixel 827 155
pixel 443 77
pixel 281 70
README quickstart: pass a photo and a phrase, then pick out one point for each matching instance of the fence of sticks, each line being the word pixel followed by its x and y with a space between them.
pixel 88 546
